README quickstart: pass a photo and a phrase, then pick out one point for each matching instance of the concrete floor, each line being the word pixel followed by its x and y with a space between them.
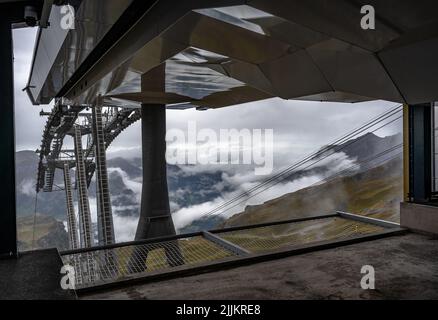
pixel 34 275
pixel 406 267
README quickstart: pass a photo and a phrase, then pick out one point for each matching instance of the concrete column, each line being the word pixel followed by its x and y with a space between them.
pixel 8 224
pixel 155 219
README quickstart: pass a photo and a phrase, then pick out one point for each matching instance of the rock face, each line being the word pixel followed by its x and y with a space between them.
pixel 206 223
pixel 41 232
pixel 56 237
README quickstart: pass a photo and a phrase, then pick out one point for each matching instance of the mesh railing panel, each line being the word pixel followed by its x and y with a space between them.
pixel 120 263
pixel 99 266
pixel 278 236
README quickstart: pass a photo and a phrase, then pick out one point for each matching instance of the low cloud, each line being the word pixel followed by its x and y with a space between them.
pixel 242 183
pixel 27 187
pixel 131 184
pixel 125 228
pixel 119 151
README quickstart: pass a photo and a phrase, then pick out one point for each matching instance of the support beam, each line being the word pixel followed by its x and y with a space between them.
pixel 225 244
pixel 420 152
pixel 84 205
pixel 369 220
pixel 406 153
pixel 71 216
pixel 8 227
pixel 105 223
pixel 155 218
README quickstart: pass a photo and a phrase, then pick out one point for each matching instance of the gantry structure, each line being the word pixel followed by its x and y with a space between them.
pixel 100 127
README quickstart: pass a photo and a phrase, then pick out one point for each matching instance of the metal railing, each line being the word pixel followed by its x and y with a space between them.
pixel 157 258
pixel 124 261
pixel 268 238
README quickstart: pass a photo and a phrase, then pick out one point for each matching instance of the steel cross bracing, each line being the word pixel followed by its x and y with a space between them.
pixel 59 121
pixel 60 124
pixel 117 121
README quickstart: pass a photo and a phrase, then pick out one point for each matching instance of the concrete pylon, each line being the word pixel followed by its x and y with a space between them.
pixel 155 218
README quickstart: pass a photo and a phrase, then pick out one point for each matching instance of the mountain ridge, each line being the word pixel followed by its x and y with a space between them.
pixel 187 187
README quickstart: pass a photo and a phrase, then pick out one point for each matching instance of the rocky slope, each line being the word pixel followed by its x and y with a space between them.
pixel 376 192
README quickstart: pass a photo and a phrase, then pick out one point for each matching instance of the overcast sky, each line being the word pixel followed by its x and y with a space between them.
pixel 299 127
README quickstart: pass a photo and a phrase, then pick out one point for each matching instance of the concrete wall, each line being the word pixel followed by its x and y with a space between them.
pixel 419 217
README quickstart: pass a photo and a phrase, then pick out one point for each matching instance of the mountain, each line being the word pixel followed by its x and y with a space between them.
pixel 190 186
pixel 374 188
pixel 41 231
pixel 205 223
pixel 186 188
pixel 366 145
pixel 376 192
pixel 125 177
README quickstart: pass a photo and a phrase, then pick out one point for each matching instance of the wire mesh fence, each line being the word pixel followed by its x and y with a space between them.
pixel 99 266
pixel 276 237
pixel 110 265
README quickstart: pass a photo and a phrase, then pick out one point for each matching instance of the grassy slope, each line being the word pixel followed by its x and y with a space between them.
pixel 376 192
pixel 48 233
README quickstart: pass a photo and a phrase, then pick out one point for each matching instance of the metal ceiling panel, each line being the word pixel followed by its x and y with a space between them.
pixel 295 75
pixel 414 68
pixel 350 69
pixel 60 51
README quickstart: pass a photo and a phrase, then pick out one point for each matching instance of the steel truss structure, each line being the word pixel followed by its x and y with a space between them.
pixel 101 127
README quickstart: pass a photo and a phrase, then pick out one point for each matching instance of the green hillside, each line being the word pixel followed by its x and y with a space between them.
pixel 49 233
pixel 376 192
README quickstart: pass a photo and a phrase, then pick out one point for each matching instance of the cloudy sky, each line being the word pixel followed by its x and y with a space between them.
pixel 299 127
